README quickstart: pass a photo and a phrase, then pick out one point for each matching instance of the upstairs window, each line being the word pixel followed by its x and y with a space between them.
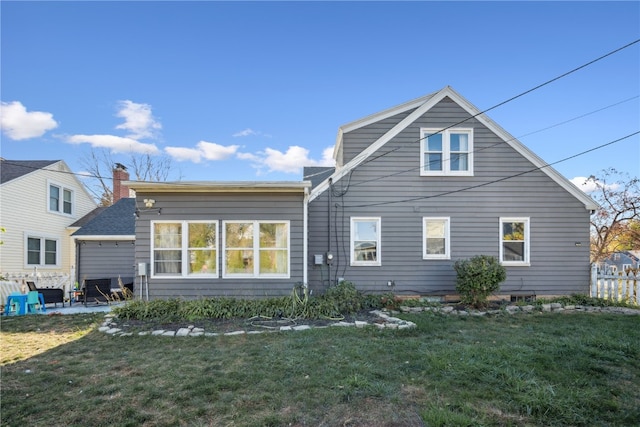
pixel 449 152
pixel 514 241
pixel 41 251
pixel 60 199
pixel 365 241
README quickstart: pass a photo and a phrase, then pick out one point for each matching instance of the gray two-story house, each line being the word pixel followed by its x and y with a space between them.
pixel 415 188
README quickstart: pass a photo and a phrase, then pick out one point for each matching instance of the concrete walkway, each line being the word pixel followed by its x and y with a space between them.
pixel 79 308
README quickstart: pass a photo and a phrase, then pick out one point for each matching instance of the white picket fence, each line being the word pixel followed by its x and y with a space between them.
pixel 619 286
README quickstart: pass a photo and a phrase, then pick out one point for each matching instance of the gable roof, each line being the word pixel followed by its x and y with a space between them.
pixel 117 220
pixel 12 169
pixel 420 106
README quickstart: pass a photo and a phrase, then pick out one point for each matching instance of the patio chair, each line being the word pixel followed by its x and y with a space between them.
pixel 51 295
pixel 33 300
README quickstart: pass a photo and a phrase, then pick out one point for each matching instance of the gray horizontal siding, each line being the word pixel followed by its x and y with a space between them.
pixel 221 207
pixel 557 219
pixel 100 260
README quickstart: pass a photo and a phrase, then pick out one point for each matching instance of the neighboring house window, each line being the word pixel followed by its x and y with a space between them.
pixel 449 152
pixel 365 241
pixel 256 249
pixel 435 232
pixel 60 199
pixel 185 248
pixel 42 251
pixel 514 241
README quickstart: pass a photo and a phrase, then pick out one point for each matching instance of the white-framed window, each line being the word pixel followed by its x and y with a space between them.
pixel 41 251
pixel 514 241
pixel 185 248
pixel 365 241
pixel 256 249
pixel 435 238
pixel 61 199
pixel 448 152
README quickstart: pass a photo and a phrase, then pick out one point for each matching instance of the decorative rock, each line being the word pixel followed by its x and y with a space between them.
pixel 196 334
pixel 169 334
pixel 555 305
pixel 142 333
pixel 527 308
pixel 360 324
pixel 103 328
pixel 229 334
pixel 546 307
pixel 512 308
pixel 158 332
pixel 285 328
pixel 301 328
pixel 113 331
pixel 447 309
pixel 183 332
pixel 569 307
pixel 197 330
pixel 463 313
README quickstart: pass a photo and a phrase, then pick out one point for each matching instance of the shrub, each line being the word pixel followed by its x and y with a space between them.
pixel 477 278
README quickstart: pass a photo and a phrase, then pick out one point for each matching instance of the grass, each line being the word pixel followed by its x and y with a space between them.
pixel 547 369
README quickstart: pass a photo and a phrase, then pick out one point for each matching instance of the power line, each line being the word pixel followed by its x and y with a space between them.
pixel 513 97
pixel 446 193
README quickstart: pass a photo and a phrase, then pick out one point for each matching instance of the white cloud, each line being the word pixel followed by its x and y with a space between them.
pixel 246 132
pixel 204 150
pixel 138 120
pixel 590 186
pixel 213 151
pixel 291 161
pixel 116 144
pixel 182 154
pixel 18 123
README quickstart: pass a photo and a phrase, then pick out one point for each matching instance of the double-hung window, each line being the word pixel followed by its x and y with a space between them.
pixel 448 152
pixel 435 238
pixel 365 241
pixel 256 249
pixel 514 241
pixel 41 251
pixel 185 248
pixel 60 199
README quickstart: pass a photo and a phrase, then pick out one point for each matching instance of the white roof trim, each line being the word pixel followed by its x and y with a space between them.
pixel 106 237
pixel 423 105
pixel 220 186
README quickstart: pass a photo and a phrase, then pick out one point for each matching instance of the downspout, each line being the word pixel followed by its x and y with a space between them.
pixel 78 248
pixel 305 250
pixel 329 234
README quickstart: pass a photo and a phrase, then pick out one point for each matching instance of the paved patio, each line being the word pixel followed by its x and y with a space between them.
pixel 79 308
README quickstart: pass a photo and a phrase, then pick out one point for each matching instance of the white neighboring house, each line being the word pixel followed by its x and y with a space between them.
pixel 39 201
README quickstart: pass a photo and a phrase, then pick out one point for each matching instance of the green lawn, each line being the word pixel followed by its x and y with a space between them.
pixel 552 369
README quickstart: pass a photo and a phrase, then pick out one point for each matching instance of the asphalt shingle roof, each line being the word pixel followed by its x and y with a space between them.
pixel 12 169
pixel 115 220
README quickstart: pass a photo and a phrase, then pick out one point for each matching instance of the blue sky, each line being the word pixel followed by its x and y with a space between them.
pixel 255 90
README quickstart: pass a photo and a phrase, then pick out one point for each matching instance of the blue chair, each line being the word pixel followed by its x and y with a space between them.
pixel 34 299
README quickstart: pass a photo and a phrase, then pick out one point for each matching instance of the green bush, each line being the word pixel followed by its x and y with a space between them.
pixel 340 300
pixel 477 278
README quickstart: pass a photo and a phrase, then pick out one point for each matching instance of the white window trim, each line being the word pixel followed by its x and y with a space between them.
pixel 42 238
pixel 62 188
pixel 256 250
pixel 184 247
pixel 446 152
pixel 378 260
pixel 447 237
pixel 527 242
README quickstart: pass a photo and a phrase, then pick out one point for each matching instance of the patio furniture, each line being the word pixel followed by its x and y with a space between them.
pixel 51 295
pixel 35 299
pixel 16 304
pixel 97 290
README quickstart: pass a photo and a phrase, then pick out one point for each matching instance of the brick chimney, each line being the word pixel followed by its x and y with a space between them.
pixel 120 174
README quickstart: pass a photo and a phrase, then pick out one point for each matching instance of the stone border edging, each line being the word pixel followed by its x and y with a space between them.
pixel 387 322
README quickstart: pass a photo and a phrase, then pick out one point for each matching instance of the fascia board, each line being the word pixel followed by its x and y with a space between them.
pixel 105 237
pixel 220 187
